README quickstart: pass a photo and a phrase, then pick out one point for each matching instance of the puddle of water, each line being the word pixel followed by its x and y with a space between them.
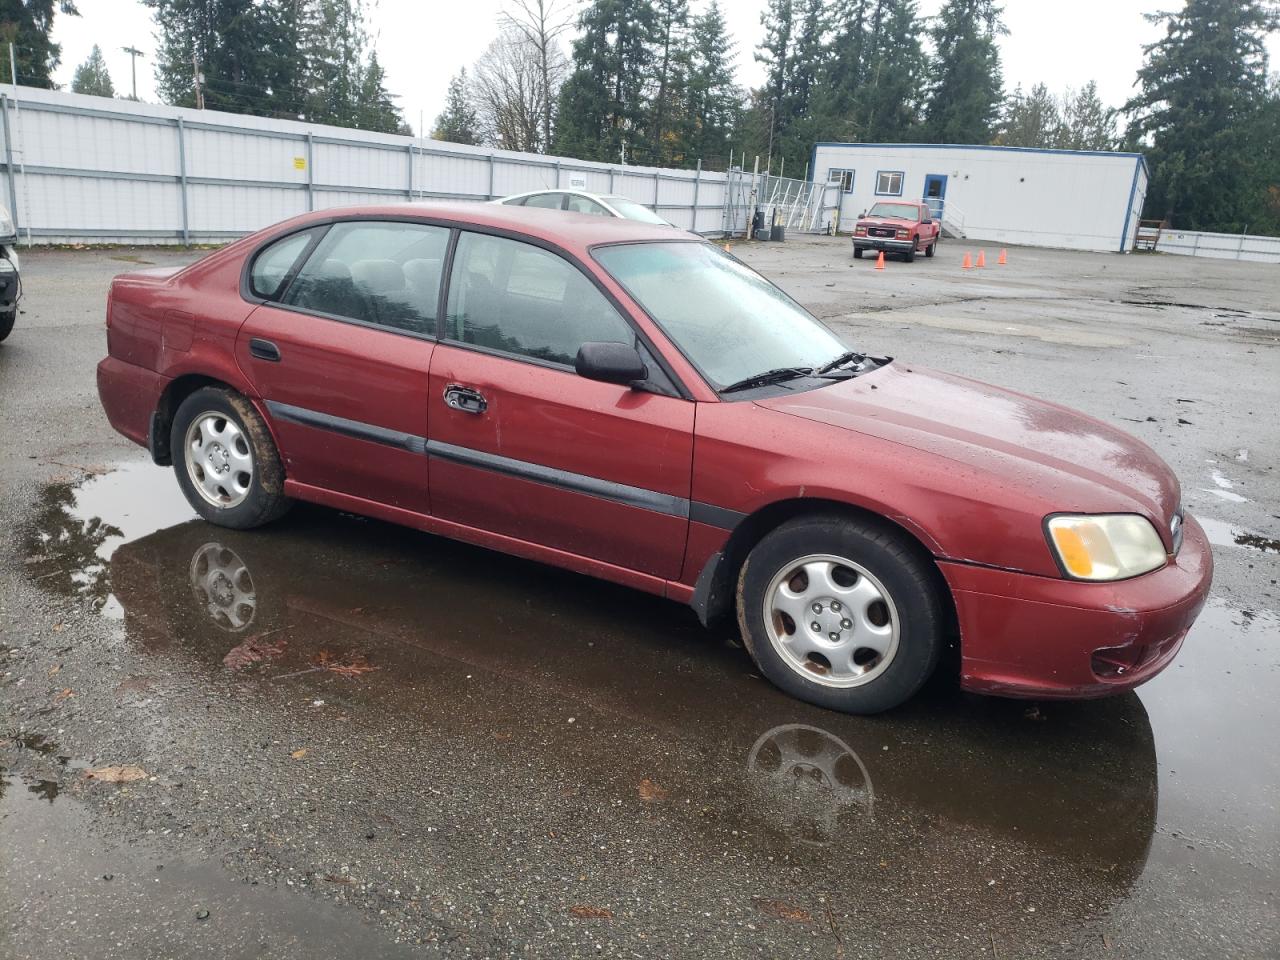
pixel 1223 534
pixel 365 623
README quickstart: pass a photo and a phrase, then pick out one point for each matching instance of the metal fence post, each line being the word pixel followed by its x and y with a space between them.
pixel 557 174
pixel 311 173
pixel 611 179
pixel 182 178
pixel 410 180
pixel 8 161
pixel 697 182
pixel 492 161
pixel 657 188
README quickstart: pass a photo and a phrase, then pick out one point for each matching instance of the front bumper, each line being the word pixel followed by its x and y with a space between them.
pixel 1028 636
pixel 881 243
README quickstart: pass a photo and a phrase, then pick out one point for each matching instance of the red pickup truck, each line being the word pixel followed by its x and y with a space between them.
pixel 897 226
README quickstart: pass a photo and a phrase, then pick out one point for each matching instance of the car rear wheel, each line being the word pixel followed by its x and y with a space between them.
pixel 857 253
pixel 226 461
pixel 841 613
pixel 7 318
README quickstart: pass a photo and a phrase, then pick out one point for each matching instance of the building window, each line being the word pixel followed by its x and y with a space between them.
pixel 842 177
pixel 889 183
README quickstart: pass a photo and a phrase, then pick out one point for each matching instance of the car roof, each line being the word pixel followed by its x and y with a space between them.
pixel 572 190
pixel 576 232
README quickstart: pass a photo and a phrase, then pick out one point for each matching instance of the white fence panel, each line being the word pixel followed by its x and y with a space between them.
pixel 78 168
pixel 1220 246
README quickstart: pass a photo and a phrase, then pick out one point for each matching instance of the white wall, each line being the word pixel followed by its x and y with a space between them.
pixel 92 169
pixel 1220 246
pixel 1048 198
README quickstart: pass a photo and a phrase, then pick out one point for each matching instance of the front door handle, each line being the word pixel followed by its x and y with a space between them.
pixel 466 399
pixel 264 350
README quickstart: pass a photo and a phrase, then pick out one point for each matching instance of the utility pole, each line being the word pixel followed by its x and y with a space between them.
pixel 199 79
pixel 134 53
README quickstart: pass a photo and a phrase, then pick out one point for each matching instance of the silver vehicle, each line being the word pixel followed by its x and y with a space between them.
pixel 10 285
pixel 579 201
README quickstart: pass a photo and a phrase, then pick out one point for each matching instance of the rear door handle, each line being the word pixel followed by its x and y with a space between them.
pixel 458 397
pixel 264 350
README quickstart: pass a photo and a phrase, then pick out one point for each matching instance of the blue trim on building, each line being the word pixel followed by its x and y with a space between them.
pixel 975 146
pixel 902 182
pixel 1128 211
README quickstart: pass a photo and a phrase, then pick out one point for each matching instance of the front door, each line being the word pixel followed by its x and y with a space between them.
pixel 935 194
pixel 341 352
pixel 521 446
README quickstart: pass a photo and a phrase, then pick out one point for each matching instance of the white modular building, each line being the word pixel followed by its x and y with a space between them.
pixel 1072 199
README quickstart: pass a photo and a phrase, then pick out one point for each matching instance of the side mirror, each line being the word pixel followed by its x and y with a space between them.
pixel 610 363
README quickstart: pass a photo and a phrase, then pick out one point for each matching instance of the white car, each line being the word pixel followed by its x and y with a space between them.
pixel 579 201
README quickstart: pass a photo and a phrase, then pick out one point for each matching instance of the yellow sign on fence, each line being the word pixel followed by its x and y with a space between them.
pixel 299 163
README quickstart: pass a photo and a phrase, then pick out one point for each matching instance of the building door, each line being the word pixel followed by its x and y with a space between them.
pixel 935 193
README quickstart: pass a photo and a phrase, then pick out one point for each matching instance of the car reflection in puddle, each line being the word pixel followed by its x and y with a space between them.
pixel 391 623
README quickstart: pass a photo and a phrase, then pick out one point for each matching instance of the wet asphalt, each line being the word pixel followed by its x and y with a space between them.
pixel 340 738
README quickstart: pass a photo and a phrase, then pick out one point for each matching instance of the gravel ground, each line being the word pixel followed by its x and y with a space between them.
pixel 342 738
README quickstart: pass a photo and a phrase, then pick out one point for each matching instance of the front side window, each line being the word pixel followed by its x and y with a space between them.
pixel 379 272
pixel 889 183
pixel 273 265
pixel 727 319
pixel 551 201
pixel 512 296
pixel 577 204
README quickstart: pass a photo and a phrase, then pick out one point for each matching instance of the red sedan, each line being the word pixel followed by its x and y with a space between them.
pixel 605 396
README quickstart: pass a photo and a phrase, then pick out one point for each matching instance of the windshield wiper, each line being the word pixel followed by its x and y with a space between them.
pixel 776 375
pixel 850 356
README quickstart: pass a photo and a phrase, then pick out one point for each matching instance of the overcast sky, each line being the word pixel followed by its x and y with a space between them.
pixel 422 43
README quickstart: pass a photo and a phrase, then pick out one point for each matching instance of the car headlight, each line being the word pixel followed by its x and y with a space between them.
pixel 1106 547
pixel 903 234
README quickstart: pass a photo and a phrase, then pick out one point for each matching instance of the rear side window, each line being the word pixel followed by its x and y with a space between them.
pixel 272 265
pixel 551 201
pixel 576 204
pixel 378 272
pixel 521 299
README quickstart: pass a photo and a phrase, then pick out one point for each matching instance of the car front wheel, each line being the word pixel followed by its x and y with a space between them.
pixel 857 253
pixel 841 613
pixel 7 318
pixel 226 461
pixel 932 248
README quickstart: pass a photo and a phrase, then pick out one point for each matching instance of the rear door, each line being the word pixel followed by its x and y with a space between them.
pixel 341 352
pixel 521 446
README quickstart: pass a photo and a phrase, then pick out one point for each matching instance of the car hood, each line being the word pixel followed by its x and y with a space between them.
pixel 1078 463
pixel 886 222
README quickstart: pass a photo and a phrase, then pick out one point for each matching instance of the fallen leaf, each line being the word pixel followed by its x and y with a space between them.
pixel 253 650
pixel 782 910
pixel 585 911
pixel 353 665
pixel 126 774
pixel 59 627
pixel 54 669
pixel 299 754
pixel 651 792
pixel 63 694
pixel 331 878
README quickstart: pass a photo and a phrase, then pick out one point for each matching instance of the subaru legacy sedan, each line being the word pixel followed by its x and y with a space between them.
pixel 639 406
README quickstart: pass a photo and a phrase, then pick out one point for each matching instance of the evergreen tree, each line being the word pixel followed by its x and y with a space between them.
pixel 92 76
pixel 602 104
pixel 1202 91
pixel 1030 120
pixel 28 25
pixel 776 52
pixel 1087 122
pixel 713 101
pixel 964 99
pixel 458 123
pixel 888 105
pixel 376 109
pixel 1263 195
pixel 671 61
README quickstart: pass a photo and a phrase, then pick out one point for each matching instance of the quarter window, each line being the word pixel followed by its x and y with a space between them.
pixel 889 183
pixel 520 299
pixel 272 265
pixel 384 273
pixel 576 204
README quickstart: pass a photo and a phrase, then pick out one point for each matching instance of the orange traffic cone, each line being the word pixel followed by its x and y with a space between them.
pixel 968 261
pixel 880 261
pixel 727 246
pixel 1004 257
pixel 982 259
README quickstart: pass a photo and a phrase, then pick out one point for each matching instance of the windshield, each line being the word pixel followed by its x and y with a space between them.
pixel 728 320
pixel 635 211
pixel 906 211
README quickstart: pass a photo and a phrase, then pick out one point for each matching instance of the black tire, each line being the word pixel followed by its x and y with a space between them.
pixel 929 250
pixel 265 500
pixel 857 253
pixel 900 567
pixel 7 318
pixel 909 256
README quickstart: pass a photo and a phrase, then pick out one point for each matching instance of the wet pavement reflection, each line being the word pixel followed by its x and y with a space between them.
pixel 331 633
